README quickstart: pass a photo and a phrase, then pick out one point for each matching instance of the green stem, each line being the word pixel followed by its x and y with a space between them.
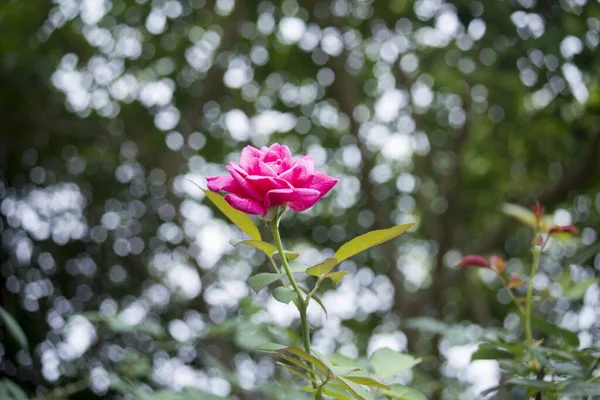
pixel 536 260
pixel 301 302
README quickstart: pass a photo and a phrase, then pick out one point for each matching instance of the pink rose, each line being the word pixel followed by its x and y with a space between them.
pixel 270 177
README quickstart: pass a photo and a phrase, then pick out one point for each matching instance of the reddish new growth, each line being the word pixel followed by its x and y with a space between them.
pixel 563 229
pixel 538 211
pixel 474 261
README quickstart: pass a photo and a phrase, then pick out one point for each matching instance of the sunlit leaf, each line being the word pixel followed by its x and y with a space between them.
pixel 338 359
pixel 366 381
pixel 337 276
pixel 336 391
pixel 357 390
pixel 399 392
pixel 324 268
pixel 240 219
pixel 284 295
pixel 13 327
pixel 341 370
pixel 368 240
pixel 387 362
pixel 357 245
pixel 259 281
pixel 271 347
pixel 520 213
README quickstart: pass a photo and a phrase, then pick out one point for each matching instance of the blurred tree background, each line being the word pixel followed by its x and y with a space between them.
pixel 431 111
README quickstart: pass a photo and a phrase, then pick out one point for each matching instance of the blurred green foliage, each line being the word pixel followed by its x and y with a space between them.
pixel 429 111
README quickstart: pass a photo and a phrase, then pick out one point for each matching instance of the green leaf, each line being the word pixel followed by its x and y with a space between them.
pixel 399 392
pixel 11 391
pixel 357 245
pixel 387 363
pixel 520 213
pixel 308 358
pixel 368 240
pixel 366 381
pixel 548 328
pixel 487 351
pixel 265 247
pixel 336 277
pixel 358 391
pixel 319 302
pixel 584 254
pixel 294 361
pixel 294 371
pixel 336 391
pixel 240 219
pixel 284 295
pixel 324 268
pixel 338 359
pixel 185 394
pixel 576 291
pixel 271 347
pixel 532 384
pixel 14 328
pixel 340 370
pixel 580 388
pixel 259 281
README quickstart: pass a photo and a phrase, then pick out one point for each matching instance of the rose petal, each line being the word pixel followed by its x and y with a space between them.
pixel 301 171
pixel 322 182
pixel 278 152
pixel 217 183
pixel 296 199
pixel 245 205
pixel 249 154
pixel 247 188
pixel 304 199
pixel 264 184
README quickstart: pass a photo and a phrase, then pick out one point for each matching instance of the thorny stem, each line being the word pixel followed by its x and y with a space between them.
pixel 301 302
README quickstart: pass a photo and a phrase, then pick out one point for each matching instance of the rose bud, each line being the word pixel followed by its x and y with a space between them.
pixel 474 261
